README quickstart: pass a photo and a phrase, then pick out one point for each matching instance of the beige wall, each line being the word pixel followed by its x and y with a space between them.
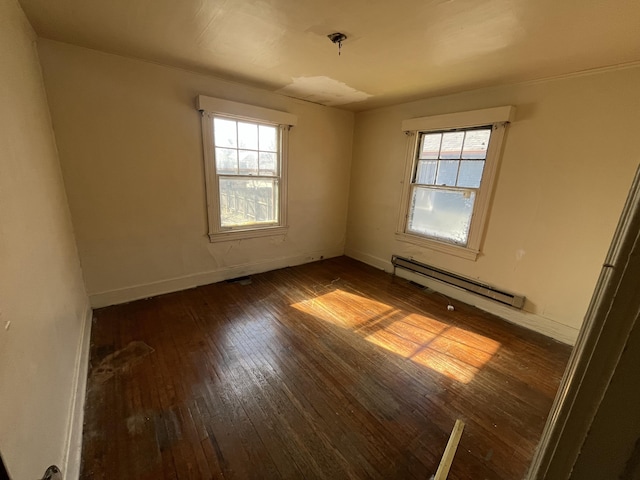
pixel 42 298
pixel 131 152
pixel 568 162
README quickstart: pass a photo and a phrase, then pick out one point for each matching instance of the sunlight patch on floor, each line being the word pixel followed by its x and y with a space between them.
pixel 452 351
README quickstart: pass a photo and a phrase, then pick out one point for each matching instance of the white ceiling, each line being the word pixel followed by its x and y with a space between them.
pixel 395 51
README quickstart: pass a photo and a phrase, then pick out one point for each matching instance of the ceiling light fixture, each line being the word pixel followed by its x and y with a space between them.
pixel 337 38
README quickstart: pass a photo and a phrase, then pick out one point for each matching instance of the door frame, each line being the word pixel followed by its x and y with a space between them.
pixel 610 318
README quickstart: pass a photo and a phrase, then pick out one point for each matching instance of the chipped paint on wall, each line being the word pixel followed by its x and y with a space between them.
pixel 323 90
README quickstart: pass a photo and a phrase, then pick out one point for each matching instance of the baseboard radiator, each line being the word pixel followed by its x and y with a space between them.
pixel 459 281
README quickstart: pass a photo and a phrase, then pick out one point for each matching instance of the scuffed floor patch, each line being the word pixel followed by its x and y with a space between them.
pixel 120 361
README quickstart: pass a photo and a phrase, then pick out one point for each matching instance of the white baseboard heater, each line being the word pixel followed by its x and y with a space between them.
pixel 468 284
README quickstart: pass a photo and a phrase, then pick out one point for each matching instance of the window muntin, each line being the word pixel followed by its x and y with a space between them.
pixel 445 181
pixel 248 170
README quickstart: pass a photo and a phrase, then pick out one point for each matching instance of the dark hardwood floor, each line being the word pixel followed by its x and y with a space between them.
pixel 327 370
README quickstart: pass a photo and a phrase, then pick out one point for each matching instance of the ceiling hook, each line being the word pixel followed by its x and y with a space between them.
pixel 338 38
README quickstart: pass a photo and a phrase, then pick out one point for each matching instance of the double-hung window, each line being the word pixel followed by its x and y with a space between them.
pixel 245 150
pixel 451 165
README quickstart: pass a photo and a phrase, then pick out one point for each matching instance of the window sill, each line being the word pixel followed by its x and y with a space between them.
pixel 456 250
pixel 232 235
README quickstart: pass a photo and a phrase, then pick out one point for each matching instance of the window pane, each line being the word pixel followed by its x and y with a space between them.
pixel 430 146
pixel 426 172
pixel 248 162
pixel 476 143
pixel 246 202
pixel 447 172
pixel 451 145
pixel 441 214
pixel 248 135
pixel 224 132
pixel 268 164
pixel 268 138
pixel 226 161
pixel 470 173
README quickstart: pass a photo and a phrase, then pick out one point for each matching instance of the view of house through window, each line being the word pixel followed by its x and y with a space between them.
pixel 445 182
pixel 247 160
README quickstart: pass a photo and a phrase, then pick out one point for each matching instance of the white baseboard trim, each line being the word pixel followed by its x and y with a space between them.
pixel 73 453
pixel 137 292
pixel 546 326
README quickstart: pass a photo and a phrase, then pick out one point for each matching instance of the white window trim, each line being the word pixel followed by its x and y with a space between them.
pixel 210 107
pixel 498 117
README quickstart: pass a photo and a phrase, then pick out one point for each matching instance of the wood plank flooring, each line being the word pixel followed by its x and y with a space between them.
pixel 327 370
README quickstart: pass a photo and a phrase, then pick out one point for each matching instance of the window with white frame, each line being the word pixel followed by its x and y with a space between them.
pixel 449 179
pixel 245 151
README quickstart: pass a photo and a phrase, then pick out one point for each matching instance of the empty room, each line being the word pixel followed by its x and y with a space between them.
pixel 278 239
